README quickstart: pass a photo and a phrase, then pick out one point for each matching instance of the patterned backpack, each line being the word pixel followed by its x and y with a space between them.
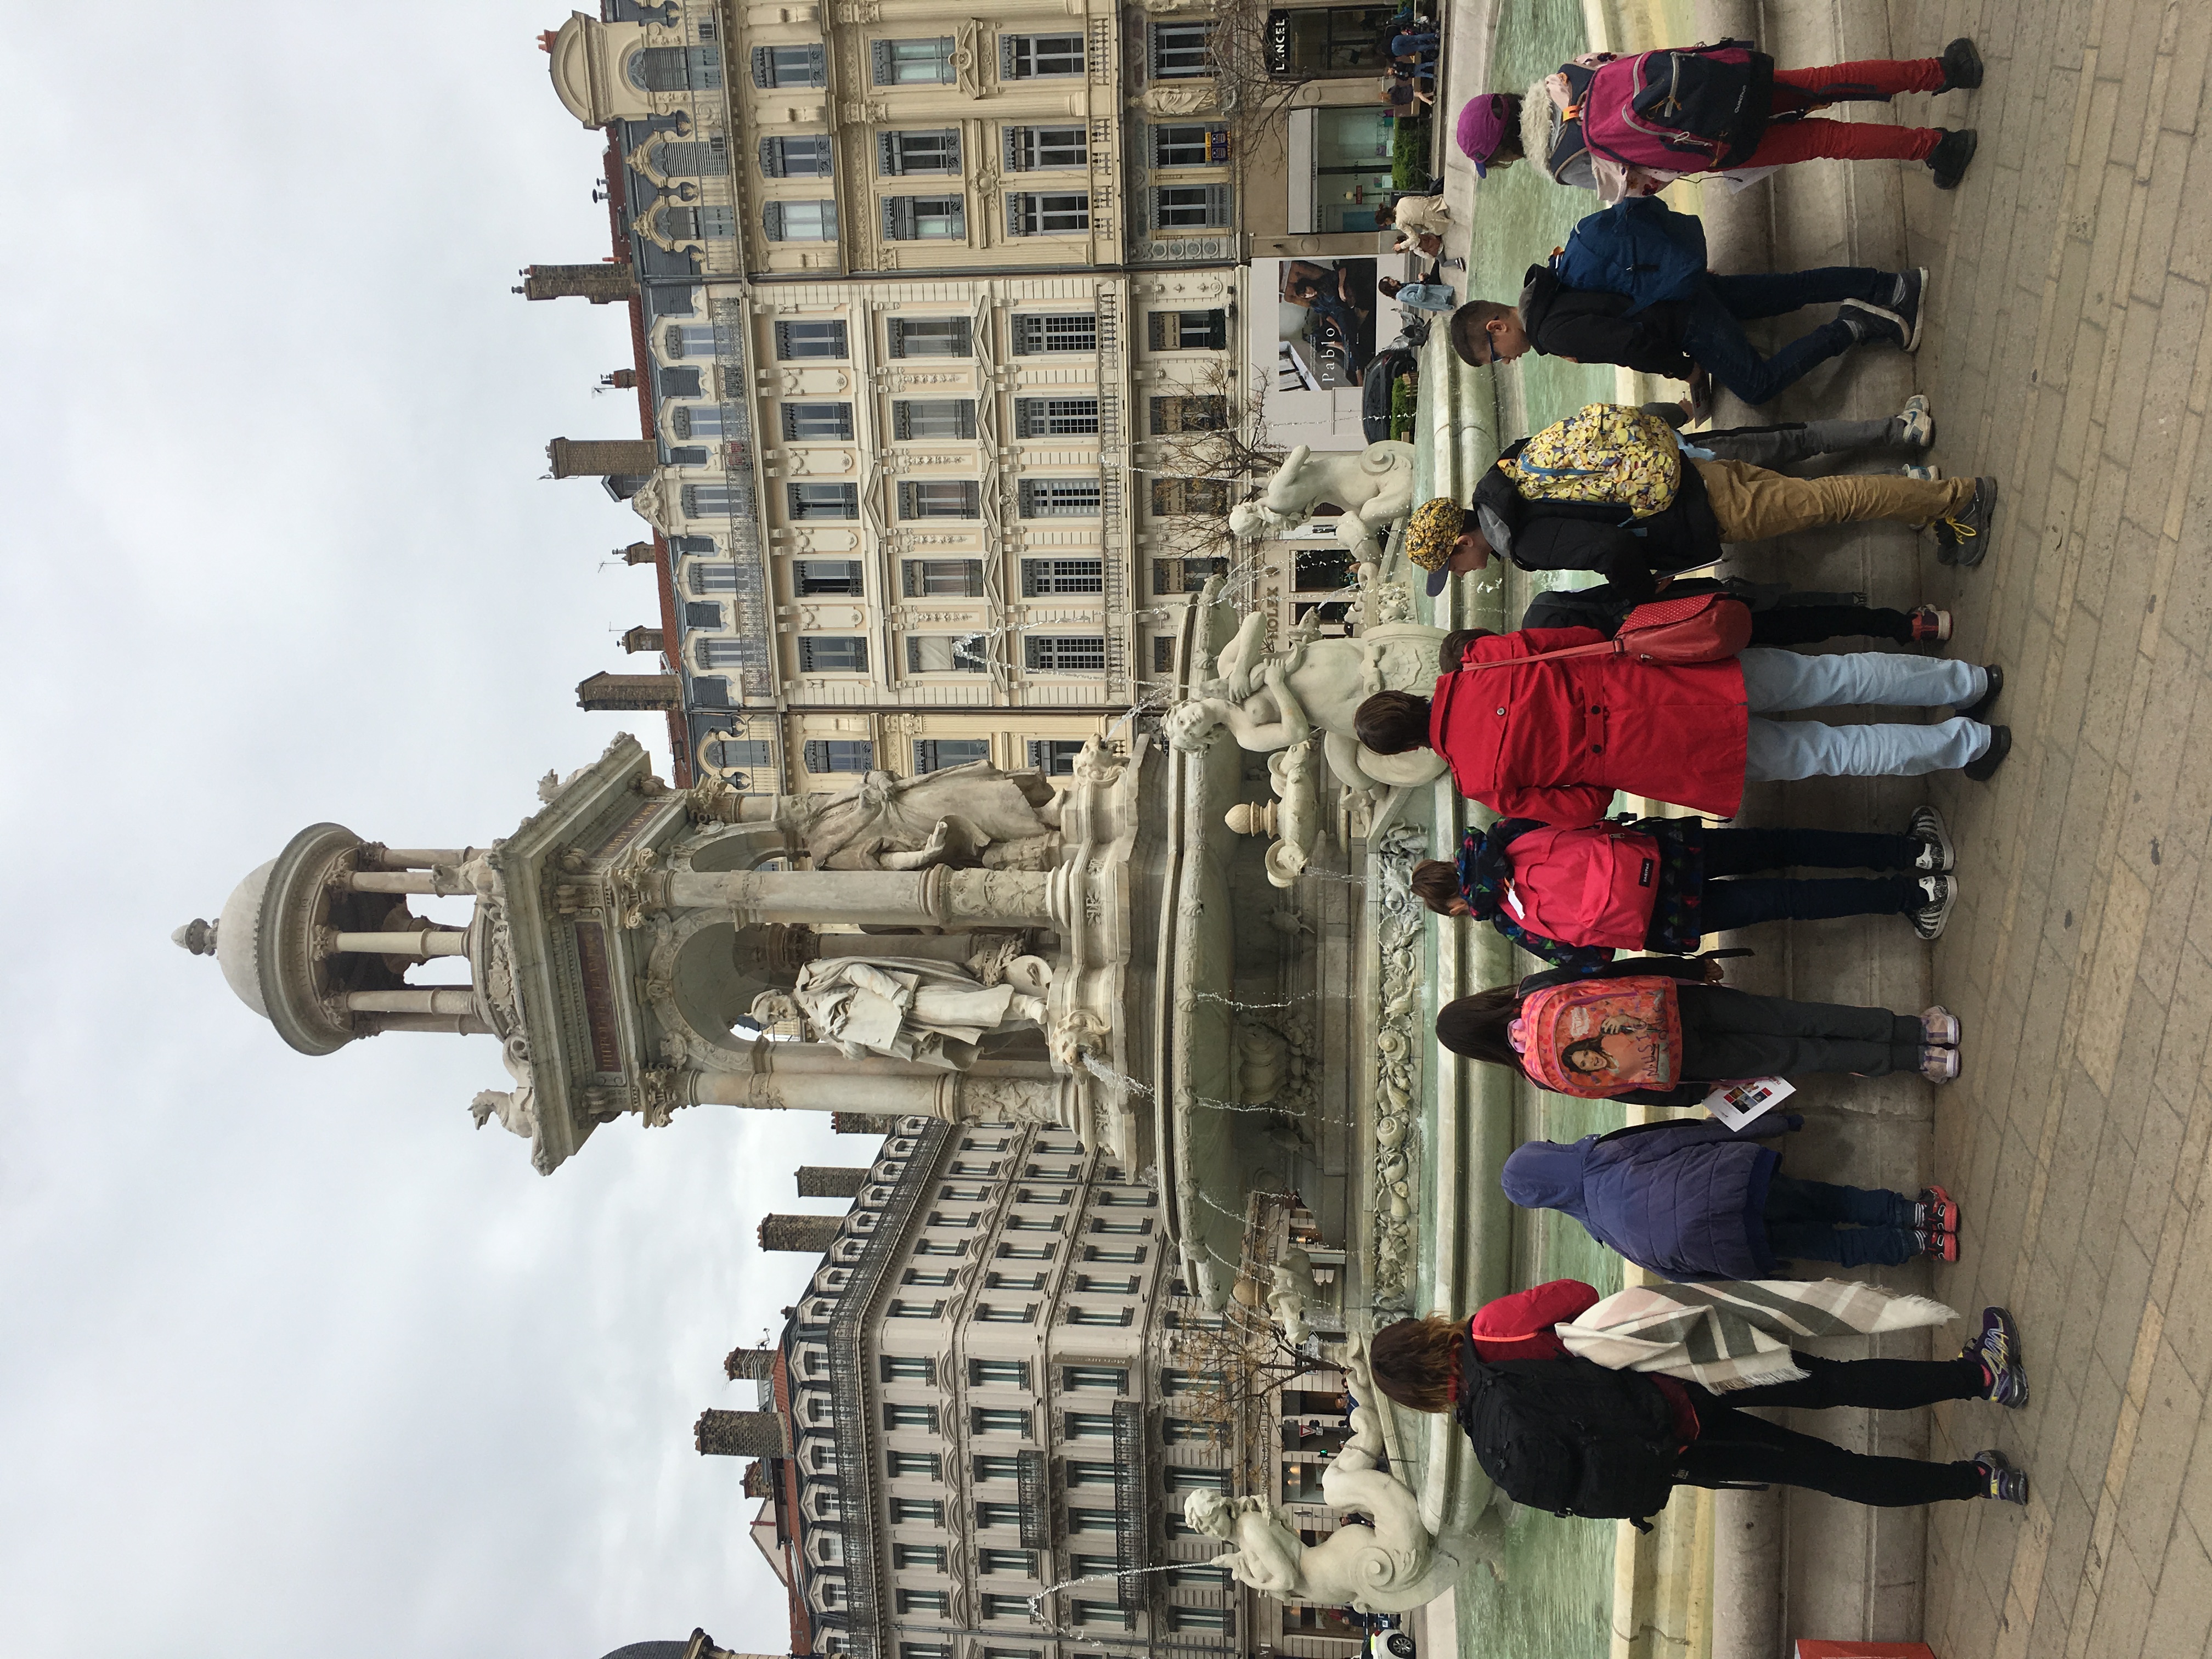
pixel 1595 1038
pixel 1603 452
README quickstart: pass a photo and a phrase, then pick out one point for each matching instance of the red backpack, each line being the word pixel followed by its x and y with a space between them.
pixel 1591 884
pixel 1599 1037
pixel 1688 110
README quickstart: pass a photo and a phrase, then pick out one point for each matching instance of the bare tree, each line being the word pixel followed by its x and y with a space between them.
pixel 1238 1363
pixel 1221 455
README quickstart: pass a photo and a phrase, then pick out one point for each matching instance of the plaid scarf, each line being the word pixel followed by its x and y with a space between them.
pixel 1735 1335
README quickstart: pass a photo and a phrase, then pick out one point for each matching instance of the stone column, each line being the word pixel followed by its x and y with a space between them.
pixel 955 948
pixel 422 942
pixel 951 899
pixel 454 999
pixel 821 1091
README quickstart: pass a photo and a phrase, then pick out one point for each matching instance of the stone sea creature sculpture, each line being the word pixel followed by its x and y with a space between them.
pixel 1374 486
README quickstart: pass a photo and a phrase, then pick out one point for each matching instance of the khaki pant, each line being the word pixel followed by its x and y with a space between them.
pixel 1753 504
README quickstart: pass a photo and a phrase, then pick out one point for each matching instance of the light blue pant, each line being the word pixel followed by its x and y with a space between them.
pixel 1775 681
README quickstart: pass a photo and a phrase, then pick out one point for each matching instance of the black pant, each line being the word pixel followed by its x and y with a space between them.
pixel 1788 625
pixel 1728 1034
pixel 1724 906
pixel 1854 1226
pixel 1734 1447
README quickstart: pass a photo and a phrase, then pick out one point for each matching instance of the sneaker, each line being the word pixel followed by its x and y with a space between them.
pixel 1873 322
pixel 1905 302
pixel 1915 428
pixel 1938 894
pixel 1962 537
pixel 1979 708
pixel 1925 474
pixel 1930 626
pixel 1962 66
pixel 1935 854
pixel 1938 1025
pixel 2000 1479
pixel 1940 1065
pixel 1982 770
pixel 1998 1349
pixel 1943 1246
pixel 1935 1211
pixel 1950 157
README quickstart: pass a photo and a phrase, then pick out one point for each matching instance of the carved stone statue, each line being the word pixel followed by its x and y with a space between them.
pixel 516 1109
pixel 906 1008
pixel 1393 1566
pixel 1270 701
pixel 963 817
pixel 1375 488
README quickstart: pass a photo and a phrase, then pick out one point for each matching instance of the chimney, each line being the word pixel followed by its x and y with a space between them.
pixel 636 553
pixel 862 1123
pixel 753 1365
pixel 621 380
pixel 741 1434
pixel 609 282
pixel 621 692
pixel 601 458
pixel 760 1480
pixel 809 1234
pixel 545 41
pixel 816 1180
pixel 642 638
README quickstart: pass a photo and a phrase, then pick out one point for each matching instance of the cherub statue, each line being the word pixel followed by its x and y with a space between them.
pixel 905 1008
pixel 1392 1566
pixel 1375 488
pixel 961 816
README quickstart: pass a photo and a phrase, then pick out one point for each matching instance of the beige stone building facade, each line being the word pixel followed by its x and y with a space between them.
pixel 978 1398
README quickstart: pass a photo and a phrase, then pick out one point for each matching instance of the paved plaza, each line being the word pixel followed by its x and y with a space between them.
pixel 2068 354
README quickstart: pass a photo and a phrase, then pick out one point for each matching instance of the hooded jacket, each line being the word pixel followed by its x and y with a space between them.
pixel 1590 327
pixel 1685 1199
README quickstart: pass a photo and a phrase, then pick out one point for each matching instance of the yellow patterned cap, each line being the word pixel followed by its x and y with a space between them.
pixel 1430 533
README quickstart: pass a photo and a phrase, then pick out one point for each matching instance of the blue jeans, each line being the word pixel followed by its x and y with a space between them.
pixel 1713 336
pixel 1778 681
pixel 1852 1226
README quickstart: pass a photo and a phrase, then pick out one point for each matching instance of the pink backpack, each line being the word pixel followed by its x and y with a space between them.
pixel 1592 885
pixel 1694 110
pixel 1599 1037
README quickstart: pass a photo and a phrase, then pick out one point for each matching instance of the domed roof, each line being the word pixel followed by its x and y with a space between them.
pixel 650 1651
pixel 238 939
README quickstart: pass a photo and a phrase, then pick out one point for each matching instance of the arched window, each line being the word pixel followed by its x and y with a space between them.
pixel 674 68
pixel 800 222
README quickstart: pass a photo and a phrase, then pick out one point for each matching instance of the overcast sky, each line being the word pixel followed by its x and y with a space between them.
pixel 290 1354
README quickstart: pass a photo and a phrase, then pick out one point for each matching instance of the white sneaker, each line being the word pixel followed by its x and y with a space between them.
pixel 1917 423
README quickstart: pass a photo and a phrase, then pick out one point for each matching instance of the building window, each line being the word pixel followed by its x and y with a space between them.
pixel 740 754
pixel 1181 1479
pixel 997 1514
pixel 1137 1198
pixel 1179 49
pixel 1055 757
pixel 912 62
pixel 693 159
pixel 821 422
pixel 910 1417
pixel 942 578
pixel 1186 331
pixel 1028 57
pixel 1048 213
pixel 925 1600
pixel 999 1468
pixel 922 1650
pixel 1013 1281
pixel 939 498
pixel 1185 575
pixel 1109 1614
pixel 1032 1195
pixel 1121 1286
pixel 905 1368
pixel 1033 1223
pixel 713 500
pixel 1163 646
pixel 1111 1379
pixel 927 1465
pixel 1064 654
pixel 925 218
pixel 1045 149
pixel 1184 1432
pixel 1182 1617
pixel 918 1511
pixel 929 336
pixel 998 1419
pixel 1021 1564
pixel 973 1194
pixel 1056 417
pixel 1191 412
pixel 797 340
pixel 833 654
pixel 806 157
pixel 1089 1426
pixel 675 69
pixel 1101 1226
pixel 935 754
pixel 1189 144
pixel 731 653
pixel 1058 498
pixel 1035 331
pixel 716 421
pixel 800 222
pixel 1042 576
pixel 1198 497
pixel 936 149
pixel 948 653
pixel 824 501
pixel 1092 1523
pixel 701 613
pixel 1005 1313
pixel 974 1218
pixel 789 66
pixel 933 417
pixel 1190 207
pixel 691 224
pixel 839 754
pixel 1079 1315
pixel 1009 1653
pixel 927 1276
pixel 899 1310
pixel 817 578
pixel 1028 1252
pixel 1002 1606
pixel 1006 1373
pixel 1081 1473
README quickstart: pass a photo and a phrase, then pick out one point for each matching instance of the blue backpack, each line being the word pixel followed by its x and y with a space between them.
pixel 1640 247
